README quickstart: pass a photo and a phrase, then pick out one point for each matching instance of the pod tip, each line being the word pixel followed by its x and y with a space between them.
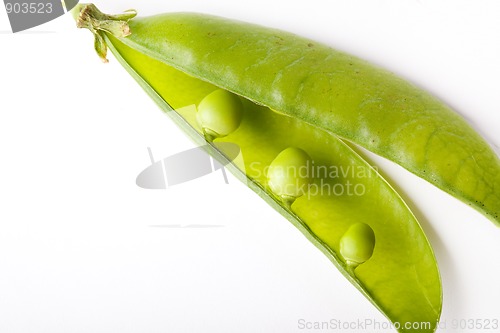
pixel 89 17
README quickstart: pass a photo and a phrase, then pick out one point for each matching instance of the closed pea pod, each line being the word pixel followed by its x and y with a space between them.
pixel 401 277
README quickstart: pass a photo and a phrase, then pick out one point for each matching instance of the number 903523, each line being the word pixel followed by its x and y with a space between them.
pixel 28 8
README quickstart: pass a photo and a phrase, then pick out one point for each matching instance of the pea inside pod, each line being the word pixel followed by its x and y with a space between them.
pixel 401 277
pixel 357 244
pixel 219 114
pixel 288 175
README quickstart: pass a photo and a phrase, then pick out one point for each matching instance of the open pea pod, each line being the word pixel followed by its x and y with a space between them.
pixel 333 91
pixel 395 267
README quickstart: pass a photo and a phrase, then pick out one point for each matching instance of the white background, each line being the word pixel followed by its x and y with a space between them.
pixel 83 249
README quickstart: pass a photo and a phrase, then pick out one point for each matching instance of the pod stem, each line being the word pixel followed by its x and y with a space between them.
pixel 89 17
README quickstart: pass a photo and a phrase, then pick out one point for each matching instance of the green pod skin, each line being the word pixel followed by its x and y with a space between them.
pixel 401 277
pixel 334 91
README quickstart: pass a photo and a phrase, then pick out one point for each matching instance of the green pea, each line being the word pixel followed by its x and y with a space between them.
pixel 357 244
pixel 220 113
pixel 288 174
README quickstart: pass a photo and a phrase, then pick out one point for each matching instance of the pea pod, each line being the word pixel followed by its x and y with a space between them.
pixel 400 276
pixel 333 91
